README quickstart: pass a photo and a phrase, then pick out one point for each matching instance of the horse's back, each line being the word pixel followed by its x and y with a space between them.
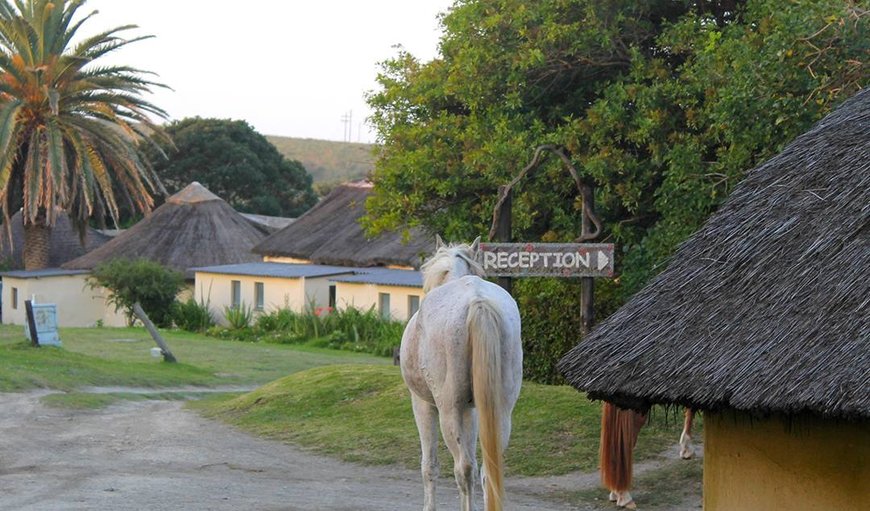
pixel 435 358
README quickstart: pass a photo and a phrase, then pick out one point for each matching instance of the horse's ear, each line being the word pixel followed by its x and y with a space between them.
pixel 475 245
pixel 439 243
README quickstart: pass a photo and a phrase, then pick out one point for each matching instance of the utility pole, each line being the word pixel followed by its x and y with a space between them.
pixel 347 120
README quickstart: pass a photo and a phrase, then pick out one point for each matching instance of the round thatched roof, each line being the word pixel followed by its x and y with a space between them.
pixel 65 243
pixel 192 228
pixel 330 234
pixel 767 307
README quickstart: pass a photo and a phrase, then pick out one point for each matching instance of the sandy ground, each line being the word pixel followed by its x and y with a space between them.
pixel 156 455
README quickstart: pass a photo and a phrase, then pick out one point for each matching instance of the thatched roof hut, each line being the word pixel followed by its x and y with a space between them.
pixel 330 234
pixel 767 307
pixel 192 228
pixel 65 243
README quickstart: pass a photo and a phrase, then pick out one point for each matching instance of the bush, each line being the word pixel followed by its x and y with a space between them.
pixel 193 316
pixel 348 329
pixel 129 281
pixel 239 317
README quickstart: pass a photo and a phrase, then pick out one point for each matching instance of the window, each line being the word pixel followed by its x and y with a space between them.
pixel 332 297
pixel 384 305
pixel 413 305
pixel 259 295
pixel 14 297
pixel 236 299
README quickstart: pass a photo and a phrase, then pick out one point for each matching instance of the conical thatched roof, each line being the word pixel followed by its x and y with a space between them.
pixel 767 307
pixel 330 233
pixel 193 228
pixel 64 244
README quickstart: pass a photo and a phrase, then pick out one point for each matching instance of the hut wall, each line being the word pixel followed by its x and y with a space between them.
pixel 804 464
pixel 365 296
pixel 281 259
pixel 278 293
pixel 77 304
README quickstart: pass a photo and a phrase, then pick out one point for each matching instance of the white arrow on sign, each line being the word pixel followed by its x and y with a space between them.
pixel 602 260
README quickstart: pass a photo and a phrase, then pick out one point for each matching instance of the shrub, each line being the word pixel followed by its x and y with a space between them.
pixel 129 281
pixel 278 320
pixel 193 316
pixel 348 329
pixel 239 317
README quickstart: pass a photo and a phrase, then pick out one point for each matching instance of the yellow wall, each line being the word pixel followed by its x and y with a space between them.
pixel 77 304
pixel 808 464
pixel 364 296
pixel 279 259
pixel 279 293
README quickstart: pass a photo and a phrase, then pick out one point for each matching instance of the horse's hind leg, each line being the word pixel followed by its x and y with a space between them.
pixel 426 416
pixel 687 451
pixel 459 428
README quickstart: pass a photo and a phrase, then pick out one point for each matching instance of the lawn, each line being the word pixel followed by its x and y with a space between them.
pixel 363 414
pixel 121 357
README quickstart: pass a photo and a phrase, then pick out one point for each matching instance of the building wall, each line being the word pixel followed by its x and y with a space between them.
pixel 364 296
pixel 280 259
pixel 278 293
pixel 294 293
pixel 806 464
pixel 77 304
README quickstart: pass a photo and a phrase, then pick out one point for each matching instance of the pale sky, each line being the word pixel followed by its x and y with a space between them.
pixel 288 67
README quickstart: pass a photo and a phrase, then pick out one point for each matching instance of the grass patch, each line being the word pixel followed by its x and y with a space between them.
pixel 121 357
pixel 363 414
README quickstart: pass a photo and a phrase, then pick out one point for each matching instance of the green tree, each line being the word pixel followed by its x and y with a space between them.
pixel 147 282
pixel 238 164
pixel 69 128
pixel 662 105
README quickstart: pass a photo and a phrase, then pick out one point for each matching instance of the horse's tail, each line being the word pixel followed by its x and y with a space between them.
pixel 619 430
pixel 484 335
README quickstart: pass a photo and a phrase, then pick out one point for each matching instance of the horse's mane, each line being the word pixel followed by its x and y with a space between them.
pixel 436 269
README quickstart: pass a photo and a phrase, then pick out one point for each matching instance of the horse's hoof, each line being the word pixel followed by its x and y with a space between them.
pixel 612 497
pixel 687 452
pixel 625 500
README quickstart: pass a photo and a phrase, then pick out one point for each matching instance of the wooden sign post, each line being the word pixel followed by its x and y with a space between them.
pixel 551 260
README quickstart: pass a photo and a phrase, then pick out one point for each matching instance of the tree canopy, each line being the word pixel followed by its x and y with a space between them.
pixel 662 105
pixel 236 163
pixel 69 127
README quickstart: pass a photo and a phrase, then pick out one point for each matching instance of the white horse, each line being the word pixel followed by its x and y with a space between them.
pixel 462 359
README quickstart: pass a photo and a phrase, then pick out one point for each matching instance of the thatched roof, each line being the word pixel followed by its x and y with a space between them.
pixel 267 223
pixel 192 228
pixel 767 307
pixel 330 233
pixel 64 244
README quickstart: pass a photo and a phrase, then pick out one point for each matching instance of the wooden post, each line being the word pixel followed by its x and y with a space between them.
pixel 503 230
pixel 31 323
pixel 587 284
pixel 140 313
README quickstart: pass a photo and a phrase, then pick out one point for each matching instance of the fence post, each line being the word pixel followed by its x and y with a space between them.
pixel 31 323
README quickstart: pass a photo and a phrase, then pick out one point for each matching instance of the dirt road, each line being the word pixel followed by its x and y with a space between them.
pixel 156 455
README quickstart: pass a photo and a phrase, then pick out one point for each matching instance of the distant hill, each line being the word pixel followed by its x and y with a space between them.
pixel 327 161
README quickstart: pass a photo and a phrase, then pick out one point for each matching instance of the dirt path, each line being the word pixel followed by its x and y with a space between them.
pixel 156 455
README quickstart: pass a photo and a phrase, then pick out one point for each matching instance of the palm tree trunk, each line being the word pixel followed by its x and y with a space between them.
pixel 36 243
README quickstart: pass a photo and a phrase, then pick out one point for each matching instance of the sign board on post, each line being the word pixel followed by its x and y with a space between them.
pixel 547 259
pixel 45 318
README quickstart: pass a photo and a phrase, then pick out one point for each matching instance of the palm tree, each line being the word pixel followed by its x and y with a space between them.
pixel 70 129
